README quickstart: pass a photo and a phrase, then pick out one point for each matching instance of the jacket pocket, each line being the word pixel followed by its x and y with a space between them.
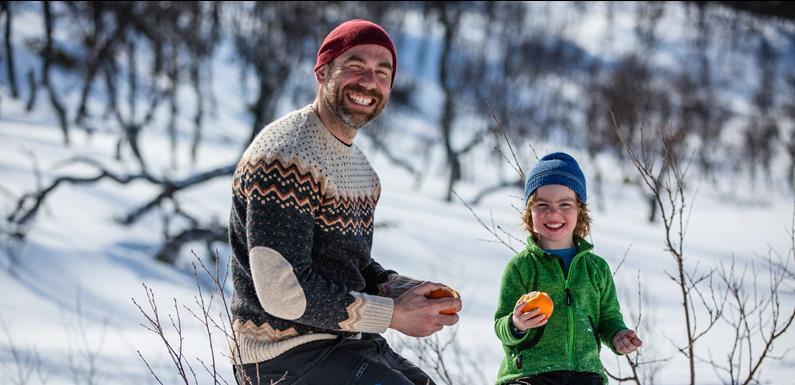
pixel 526 345
pixel 595 334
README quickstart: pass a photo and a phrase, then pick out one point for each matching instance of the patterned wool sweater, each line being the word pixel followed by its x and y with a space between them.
pixel 301 229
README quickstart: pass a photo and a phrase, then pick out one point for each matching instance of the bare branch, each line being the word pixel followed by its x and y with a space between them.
pixel 623 259
pixel 666 184
pixel 171 188
pixel 515 165
pixel 497 187
pixel 149 367
pixel 490 230
pixel 29 204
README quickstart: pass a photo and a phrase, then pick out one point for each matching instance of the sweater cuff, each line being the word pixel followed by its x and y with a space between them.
pixel 608 329
pixel 511 338
pixel 514 331
pixel 368 314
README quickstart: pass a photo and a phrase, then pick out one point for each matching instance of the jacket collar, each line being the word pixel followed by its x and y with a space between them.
pixel 534 249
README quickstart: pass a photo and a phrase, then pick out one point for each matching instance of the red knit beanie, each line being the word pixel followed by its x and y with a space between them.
pixel 352 33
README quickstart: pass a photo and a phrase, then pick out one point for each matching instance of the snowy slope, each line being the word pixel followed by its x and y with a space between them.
pixel 79 269
pixel 67 311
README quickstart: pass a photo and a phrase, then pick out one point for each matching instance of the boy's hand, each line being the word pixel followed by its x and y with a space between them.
pixel 530 320
pixel 626 341
pixel 418 316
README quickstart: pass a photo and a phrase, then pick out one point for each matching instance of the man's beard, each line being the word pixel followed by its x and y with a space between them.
pixel 335 102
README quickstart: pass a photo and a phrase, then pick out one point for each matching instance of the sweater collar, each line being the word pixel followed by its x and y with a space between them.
pixel 324 131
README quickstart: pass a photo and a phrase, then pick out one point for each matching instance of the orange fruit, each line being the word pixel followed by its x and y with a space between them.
pixel 444 293
pixel 538 299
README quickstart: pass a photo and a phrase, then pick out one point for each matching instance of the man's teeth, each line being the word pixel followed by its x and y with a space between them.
pixel 363 100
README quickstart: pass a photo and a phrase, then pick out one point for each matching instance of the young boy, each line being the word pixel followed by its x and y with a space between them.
pixel 564 348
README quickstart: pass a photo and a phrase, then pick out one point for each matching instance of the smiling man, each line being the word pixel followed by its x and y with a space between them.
pixel 309 301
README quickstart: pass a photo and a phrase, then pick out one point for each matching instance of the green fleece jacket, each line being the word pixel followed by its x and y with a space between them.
pixel 586 311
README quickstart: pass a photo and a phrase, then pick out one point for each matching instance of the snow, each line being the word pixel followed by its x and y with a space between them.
pixel 68 291
pixel 77 254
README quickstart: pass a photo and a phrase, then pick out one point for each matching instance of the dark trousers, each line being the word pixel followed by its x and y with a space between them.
pixel 368 361
pixel 559 378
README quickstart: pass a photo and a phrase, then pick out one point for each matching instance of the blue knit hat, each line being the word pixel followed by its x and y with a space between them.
pixel 556 168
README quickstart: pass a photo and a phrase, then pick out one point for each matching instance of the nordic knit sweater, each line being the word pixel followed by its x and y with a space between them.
pixel 301 230
pixel 586 312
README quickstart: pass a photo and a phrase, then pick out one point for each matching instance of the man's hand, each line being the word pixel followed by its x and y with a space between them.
pixel 417 316
pixel 626 341
pixel 530 320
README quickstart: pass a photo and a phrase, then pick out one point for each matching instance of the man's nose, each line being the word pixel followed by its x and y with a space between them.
pixel 367 78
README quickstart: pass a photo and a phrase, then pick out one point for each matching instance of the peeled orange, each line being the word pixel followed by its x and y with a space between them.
pixel 538 299
pixel 444 293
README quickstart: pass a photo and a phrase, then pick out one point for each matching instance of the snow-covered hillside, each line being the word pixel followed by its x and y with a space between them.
pixel 71 289
pixel 67 314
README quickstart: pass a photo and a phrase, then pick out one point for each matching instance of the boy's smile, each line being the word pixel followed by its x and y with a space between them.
pixel 555 212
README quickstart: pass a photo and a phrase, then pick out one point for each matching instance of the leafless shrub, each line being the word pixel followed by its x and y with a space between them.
pixel 442 356
pixel 26 366
pixel 758 318
pixel 719 294
pixel 644 364
pixel 83 354
pixel 212 310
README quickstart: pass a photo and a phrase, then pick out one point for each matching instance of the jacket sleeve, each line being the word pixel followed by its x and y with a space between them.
pixel 386 283
pixel 374 275
pixel 281 204
pixel 611 321
pixel 512 287
pixel 395 285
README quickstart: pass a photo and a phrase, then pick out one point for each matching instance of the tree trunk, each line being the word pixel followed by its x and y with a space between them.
pixel 652 208
pixel 449 19
pixel 54 101
pixel 12 74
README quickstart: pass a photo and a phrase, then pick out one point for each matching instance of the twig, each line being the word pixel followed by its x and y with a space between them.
pixel 149 367
pixel 623 259
pixel 515 165
pixel 499 186
pixel 490 230
pixel 155 326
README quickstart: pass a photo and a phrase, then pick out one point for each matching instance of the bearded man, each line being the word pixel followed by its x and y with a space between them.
pixel 309 301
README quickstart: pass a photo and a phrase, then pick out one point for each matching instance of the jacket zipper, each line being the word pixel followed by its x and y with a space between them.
pixel 570 314
pixel 569 310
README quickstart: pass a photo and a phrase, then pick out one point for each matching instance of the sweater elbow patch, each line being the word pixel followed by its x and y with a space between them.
pixel 276 285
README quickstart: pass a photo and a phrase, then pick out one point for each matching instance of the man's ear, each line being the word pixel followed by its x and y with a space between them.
pixel 322 73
